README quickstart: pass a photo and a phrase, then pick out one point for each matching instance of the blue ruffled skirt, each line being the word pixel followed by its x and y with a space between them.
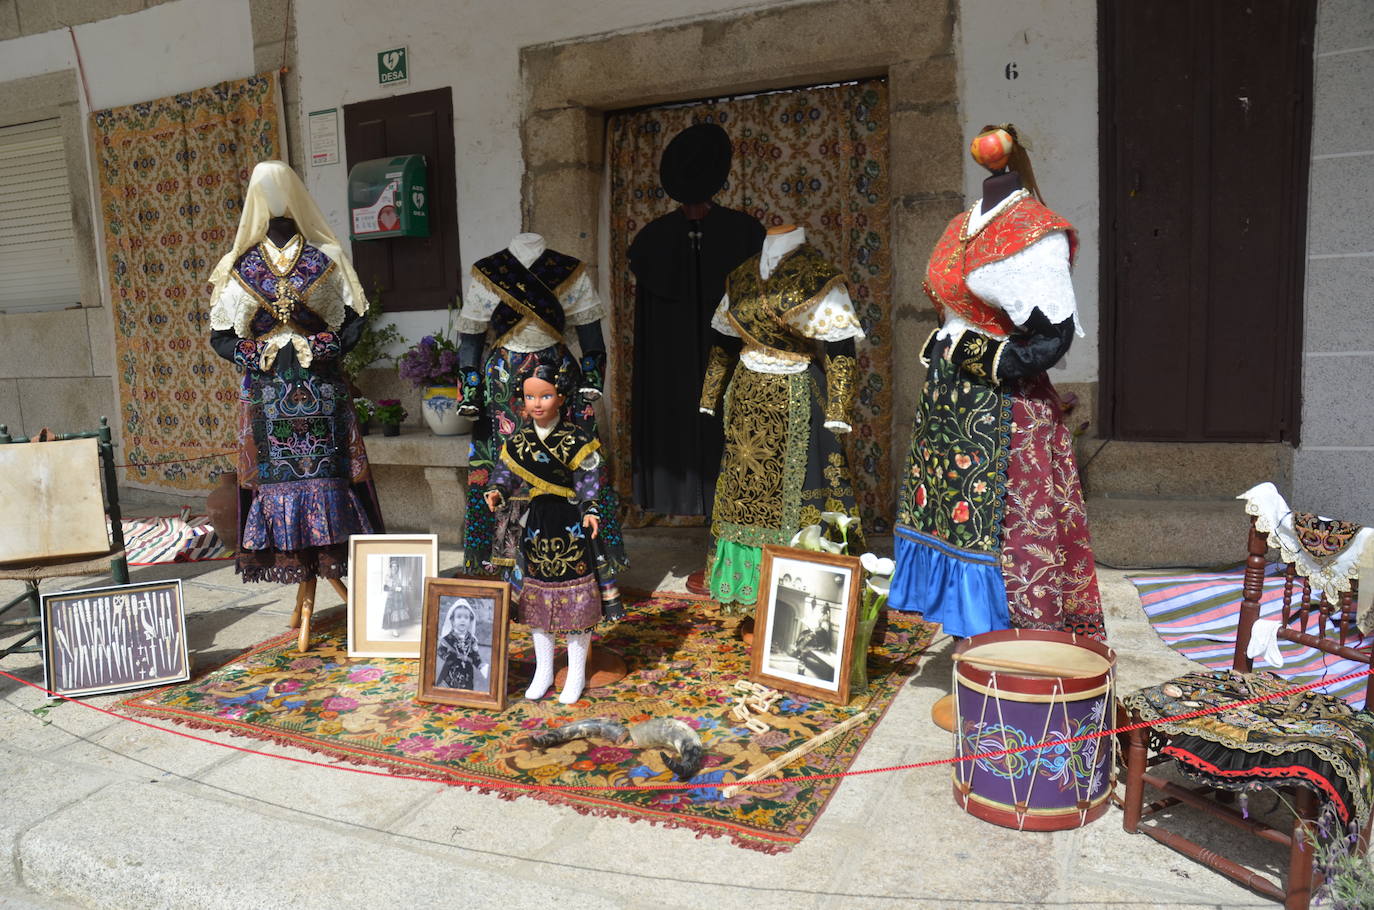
pixel 962 590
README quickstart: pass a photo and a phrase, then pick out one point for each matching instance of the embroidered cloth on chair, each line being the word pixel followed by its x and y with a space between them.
pixel 172 177
pixel 1311 739
pixel 1325 551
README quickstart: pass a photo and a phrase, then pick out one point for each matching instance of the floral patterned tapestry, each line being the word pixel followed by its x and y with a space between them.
pixel 172 177
pixel 815 157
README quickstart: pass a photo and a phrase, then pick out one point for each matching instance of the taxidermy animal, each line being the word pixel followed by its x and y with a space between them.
pixel 663 732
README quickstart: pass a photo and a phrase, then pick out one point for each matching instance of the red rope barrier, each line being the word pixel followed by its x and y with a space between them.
pixel 565 788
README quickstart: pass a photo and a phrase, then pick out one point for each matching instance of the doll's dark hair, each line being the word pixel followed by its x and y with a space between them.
pixel 556 371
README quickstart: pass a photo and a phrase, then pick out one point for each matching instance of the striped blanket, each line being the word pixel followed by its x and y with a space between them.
pixel 172 538
pixel 1196 615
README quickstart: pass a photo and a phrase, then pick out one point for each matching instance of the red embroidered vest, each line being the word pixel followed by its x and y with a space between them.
pixel 957 254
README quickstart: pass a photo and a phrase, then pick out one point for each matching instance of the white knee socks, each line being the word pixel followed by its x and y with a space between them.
pixel 578 645
pixel 543 663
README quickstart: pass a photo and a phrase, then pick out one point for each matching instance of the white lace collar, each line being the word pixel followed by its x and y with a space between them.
pixel 978 219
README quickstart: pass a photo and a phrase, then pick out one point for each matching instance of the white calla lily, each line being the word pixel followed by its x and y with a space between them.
pixel 808 538
pixel 879 584
pixel 877 565
pixel 829 546
pixel 840 520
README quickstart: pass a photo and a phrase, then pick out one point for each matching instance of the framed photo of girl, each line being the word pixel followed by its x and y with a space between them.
pixel 463 645
pixel 804 622
pixel 386 590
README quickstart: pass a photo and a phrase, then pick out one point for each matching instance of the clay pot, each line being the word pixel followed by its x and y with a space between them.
pixel 223 506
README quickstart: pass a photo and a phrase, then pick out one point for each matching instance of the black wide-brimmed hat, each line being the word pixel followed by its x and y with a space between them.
pixel 696 163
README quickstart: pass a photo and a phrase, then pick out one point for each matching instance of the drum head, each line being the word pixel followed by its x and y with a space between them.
pixel 1069 660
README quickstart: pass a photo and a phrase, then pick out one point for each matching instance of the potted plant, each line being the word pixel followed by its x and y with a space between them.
pixel 431 365
pixel 364 408
pixel 389 414
pixel 372 347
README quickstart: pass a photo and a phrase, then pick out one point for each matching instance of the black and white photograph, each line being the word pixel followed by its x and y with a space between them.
pixel 397 583
pixel 806 621
pixel 386 592
pixel 463 646
pixel 462 658
pixel 115 638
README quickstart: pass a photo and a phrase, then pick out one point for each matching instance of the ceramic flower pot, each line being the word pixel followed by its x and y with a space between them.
pixel 439 404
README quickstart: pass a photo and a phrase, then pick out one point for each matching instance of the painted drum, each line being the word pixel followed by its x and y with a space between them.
pixel 1018 687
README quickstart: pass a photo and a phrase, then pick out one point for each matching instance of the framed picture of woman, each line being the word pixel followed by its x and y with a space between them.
pixel 463 643
pixel 386 588
pixel 804 624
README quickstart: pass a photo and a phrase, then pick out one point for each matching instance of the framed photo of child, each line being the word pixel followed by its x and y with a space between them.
pixel 804 622
pixel 386 589
pixel 463 643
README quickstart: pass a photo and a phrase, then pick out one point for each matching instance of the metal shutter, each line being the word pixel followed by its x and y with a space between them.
pixel 38 268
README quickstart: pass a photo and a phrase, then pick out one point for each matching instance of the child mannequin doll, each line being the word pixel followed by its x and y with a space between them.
pixel 555 579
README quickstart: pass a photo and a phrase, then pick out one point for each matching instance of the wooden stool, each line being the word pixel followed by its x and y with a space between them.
pixel 305 607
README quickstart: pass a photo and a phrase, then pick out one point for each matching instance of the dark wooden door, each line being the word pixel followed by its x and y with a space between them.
pixel 1206 116
pixel 412 273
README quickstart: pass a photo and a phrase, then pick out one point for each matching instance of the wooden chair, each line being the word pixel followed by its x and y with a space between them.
pixel 78 543
pixel 1306 619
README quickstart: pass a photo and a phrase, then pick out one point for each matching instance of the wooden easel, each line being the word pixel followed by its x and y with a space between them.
pixel 305 607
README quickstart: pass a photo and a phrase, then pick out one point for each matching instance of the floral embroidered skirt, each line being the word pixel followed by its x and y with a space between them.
pixel 491 542
pixel 781 469
pixel 304 481
pixel 556 581
pixel 991 530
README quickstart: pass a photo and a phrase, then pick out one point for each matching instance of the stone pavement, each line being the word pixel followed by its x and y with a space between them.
pixel 100 812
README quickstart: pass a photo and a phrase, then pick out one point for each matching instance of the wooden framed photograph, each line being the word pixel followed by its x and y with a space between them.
pixel 114 638
pixel 386 592
pixel 463 653
pixel 804 622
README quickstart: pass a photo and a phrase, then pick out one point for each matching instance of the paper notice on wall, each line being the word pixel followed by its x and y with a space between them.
pixel 324 137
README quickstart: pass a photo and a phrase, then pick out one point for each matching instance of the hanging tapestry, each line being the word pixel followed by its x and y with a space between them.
pixel 815 157
pixel 172 176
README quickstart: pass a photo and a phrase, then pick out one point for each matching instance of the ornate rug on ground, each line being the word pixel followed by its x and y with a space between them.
pixel 1196 615
pixel 684 659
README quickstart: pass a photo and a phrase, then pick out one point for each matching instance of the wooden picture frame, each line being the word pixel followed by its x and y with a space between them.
pixel 804 622
pixel 386 579
pixel 114 638
pixel 447 676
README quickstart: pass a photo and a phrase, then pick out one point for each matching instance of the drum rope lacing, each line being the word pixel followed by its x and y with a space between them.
pixel 488 784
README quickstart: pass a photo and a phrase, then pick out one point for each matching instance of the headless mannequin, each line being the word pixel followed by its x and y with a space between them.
pixel 999 186
pixel 472 345
pixel 280 230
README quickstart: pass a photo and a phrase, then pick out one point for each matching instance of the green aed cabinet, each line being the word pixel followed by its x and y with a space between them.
pixel 389 197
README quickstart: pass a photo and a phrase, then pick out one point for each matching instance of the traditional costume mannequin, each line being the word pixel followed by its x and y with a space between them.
pixel 561 583
pixel 991 529
pixel 783 463
pixel 527 295
pixel 285 307
pixel 680 262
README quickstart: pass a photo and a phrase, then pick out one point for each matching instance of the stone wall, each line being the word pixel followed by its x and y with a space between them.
pixel 569 87
pixel 1336 459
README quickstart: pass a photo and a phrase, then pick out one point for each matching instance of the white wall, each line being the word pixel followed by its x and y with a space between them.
pixel 473 46
pixel 1053 102
pixel 174 47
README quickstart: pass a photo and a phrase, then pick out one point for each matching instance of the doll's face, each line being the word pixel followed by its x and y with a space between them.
pixel 542 401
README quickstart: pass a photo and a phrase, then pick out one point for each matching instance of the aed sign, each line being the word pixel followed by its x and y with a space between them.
pixel 393 67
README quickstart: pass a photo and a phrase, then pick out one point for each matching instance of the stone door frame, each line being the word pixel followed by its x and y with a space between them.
pixel 569 88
